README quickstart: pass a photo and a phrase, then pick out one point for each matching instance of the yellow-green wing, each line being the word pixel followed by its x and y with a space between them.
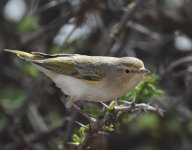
pixel 68 66
pixel 89 70
pixel 64 64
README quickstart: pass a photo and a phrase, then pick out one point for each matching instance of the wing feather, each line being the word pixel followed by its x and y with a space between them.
pixel 68 66
pixel 78 66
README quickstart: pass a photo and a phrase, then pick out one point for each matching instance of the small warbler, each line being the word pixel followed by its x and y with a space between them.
pixel 89 78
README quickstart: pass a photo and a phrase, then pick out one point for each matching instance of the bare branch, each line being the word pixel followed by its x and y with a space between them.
pixel 139 107
pixel 112 115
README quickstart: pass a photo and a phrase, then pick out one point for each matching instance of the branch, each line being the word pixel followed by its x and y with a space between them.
pixel 34 138
pixel 131 107
pixel 57 24
pixel 120 27
pixel 127 16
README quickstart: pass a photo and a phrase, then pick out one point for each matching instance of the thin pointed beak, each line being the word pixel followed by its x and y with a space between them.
pixel 144 71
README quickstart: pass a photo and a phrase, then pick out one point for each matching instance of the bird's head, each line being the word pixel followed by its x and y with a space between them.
pixel 130 68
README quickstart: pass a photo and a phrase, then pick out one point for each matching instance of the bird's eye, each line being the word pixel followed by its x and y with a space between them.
pixel 127 71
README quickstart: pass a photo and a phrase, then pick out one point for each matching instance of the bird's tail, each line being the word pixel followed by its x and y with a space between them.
pixel 36 56
pixel 33 56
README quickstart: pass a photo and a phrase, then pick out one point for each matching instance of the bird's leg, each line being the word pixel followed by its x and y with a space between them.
pixel 70 104
pixel 116 102
pixel 134 98
pixel 66 100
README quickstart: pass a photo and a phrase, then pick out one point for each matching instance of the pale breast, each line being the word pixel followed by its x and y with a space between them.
pixel 90 90
pixel 76 88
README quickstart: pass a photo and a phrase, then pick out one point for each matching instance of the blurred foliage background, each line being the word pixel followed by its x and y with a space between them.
pixel 32 113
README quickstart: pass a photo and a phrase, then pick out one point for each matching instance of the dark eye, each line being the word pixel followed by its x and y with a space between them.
pixel 127 71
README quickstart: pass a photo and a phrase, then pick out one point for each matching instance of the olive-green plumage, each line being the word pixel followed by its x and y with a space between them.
pixel 91 78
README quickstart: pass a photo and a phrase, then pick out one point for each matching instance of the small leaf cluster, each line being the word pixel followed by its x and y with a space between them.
pixel 79 135
pixel 146 89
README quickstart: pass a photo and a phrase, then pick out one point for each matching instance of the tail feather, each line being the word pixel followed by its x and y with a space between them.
pixel 52 55
pixel 35 56
pixel 25 55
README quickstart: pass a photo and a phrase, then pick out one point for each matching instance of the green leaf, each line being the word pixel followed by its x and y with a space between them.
pixel 150 122
pixel 172 125
pixel 127 118
pixel 2 121
pixel 111 105
pixel 95 111
pixel 109 127
pixel 12 98
pixel 79 134
pixel 131 5
pixel 76 138
pixel 27 24
pixel 146 89
pixel 55 48
pixel 30 70
pixel 54 118
pixel 189 127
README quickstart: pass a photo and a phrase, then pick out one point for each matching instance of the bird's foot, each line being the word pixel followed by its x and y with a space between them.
pixel 70 104
pixel 83 113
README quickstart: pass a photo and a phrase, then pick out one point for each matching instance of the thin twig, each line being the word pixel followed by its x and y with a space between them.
pixel 57 24
pixel 127 16
pixel 181 61
pixel 111 117
pixel 70 128
pixel 119 28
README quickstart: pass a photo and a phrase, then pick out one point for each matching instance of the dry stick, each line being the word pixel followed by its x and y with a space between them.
pixel 55 26
pixel 18 113
pixel 140 107
pixel 50 5
pixel 68 36
pixel 83 113
pixel 181 61
pixel 70 129
pixel 45 30
pixel 20 136
pixel 144 30
pixel 122 23
pixel 127 16
pixel 34 138
pixel 4 113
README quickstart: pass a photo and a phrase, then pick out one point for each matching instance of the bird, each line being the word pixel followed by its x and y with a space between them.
pixel 88 78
